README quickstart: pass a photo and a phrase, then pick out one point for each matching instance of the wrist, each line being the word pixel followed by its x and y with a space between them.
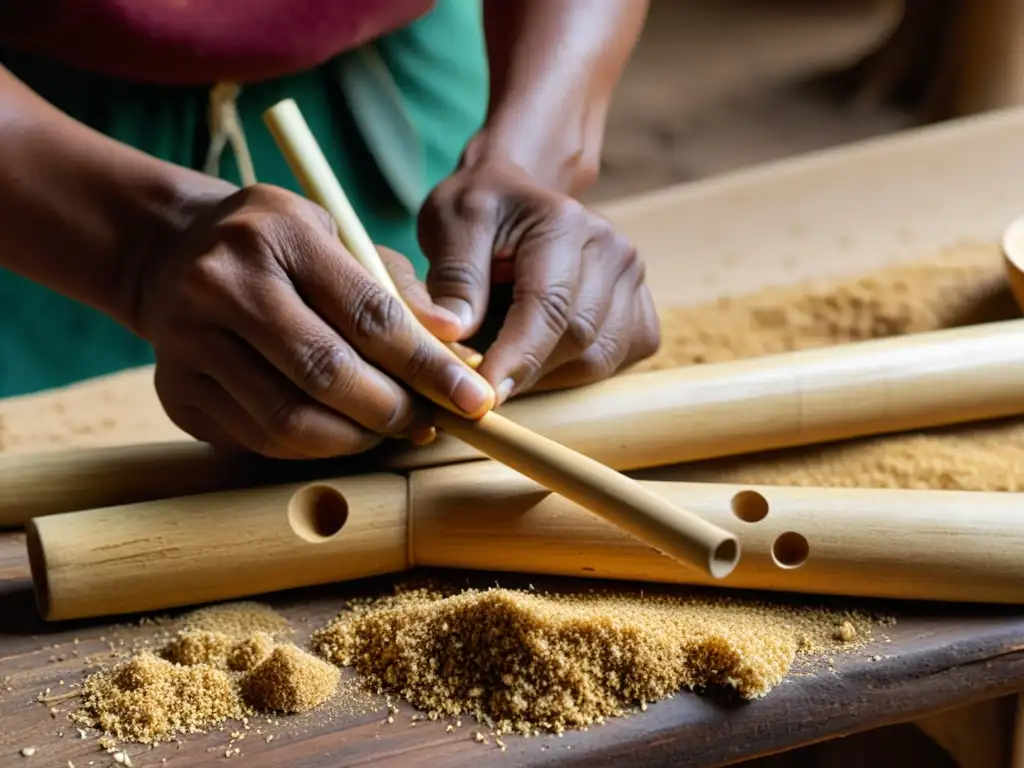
pixel 560 151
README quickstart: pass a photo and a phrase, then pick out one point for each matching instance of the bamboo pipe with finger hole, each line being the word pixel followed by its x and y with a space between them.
pixel 629 422
pixel 602 490
pixel 922 545
pixel 903 383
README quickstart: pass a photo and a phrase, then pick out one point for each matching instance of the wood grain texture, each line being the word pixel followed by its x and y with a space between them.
pixel 938 657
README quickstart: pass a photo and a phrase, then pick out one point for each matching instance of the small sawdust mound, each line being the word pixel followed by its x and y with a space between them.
pixel 193 647
pixel 523 661
pixel 235 653
pixel 148 699
pixel 239 618
pixel 290 680
pixel 250 651
pixel 224 663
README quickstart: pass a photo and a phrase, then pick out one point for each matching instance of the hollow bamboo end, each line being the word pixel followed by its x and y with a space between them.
pixel 1013 254
pixel 724 558
pixel 38 568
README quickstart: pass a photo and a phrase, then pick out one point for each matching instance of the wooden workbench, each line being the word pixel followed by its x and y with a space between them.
pixel 838 212
pixel 937 657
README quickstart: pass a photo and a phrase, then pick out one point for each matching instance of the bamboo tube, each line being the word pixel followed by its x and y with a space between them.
pixel 49 482
pixel 613 496
pixel 636 421
pixel 208 547
pixel 923 545
pixel 881 386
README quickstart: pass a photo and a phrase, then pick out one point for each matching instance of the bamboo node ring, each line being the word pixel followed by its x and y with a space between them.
pixel 317 512
pixel 749 506
pixel 790 550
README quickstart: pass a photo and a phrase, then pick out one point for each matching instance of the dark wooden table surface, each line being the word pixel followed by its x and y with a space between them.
pixel 937 657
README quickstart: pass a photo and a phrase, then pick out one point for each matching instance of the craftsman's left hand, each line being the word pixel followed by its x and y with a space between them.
pixel 580 309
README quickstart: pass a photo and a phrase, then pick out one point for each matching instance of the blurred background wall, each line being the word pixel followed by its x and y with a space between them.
pixel 716 85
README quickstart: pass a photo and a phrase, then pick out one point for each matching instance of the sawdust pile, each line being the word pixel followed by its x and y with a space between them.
pixel 525 662
pixel 224 663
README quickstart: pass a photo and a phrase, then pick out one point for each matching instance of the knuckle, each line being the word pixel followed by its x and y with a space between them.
pixel 375 313
pixel 419 365
pixel 555 306
pixel 476 204
pixel 582 330
pixel 602 358
pixel 453 274
pixel 531 366
pixel 323 367
pixel 208 279
pixel 571 212
pixel 285 424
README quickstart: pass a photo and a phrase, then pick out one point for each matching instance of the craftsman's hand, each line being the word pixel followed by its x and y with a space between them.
pixel 270 336
pixel 580 310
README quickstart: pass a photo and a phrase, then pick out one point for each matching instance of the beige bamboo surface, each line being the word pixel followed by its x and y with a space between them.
pixel 188 550
pixel 658 418
pixel 926 545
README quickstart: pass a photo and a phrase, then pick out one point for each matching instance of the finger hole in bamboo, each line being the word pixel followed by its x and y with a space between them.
pixel 790 550
pixel 750 506
pixel 317 512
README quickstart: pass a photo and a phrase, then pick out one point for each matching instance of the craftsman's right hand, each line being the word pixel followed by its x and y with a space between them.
pixel 269 336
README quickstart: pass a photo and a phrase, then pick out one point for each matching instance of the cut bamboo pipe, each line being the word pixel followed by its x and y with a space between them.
pixel 613 496
pixel 924 545
pixel 208 547
pixel 634 421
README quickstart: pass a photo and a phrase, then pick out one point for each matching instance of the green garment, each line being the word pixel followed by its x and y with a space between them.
pixel 435 79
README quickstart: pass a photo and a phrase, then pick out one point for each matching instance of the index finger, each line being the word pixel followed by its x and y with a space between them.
pixel 547 272
pixel 385 333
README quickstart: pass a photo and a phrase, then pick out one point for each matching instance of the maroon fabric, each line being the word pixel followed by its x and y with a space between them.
pixel 183 42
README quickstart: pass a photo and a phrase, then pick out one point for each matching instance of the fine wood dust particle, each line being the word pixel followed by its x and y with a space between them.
pixel 964 285
pixel 524 661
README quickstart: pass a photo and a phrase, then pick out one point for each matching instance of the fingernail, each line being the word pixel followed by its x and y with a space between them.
pixel 469 394
pixel 448 315
pixel 459 308
pixel 503 390
pixel 421 437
